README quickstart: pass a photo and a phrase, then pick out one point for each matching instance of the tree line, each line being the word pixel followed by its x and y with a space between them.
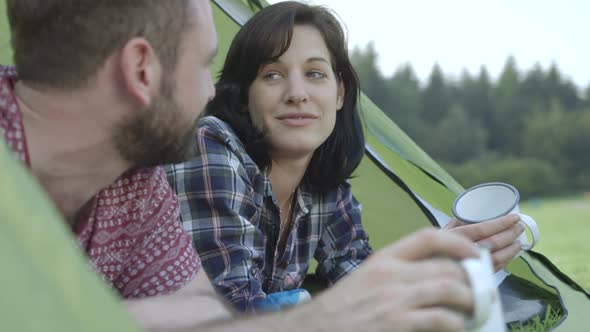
pixel 529 127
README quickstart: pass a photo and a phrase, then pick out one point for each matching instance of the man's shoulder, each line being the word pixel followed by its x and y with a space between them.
pixel 144 192
pixel 143 182
pixel 137 217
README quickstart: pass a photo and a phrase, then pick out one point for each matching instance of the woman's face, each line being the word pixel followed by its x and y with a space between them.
pixel 294 100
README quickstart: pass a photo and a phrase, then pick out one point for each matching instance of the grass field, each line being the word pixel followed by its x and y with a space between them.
pixel 565 227
pixel 564 224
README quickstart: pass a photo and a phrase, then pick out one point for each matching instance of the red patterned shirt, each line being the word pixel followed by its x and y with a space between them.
pixel 129 230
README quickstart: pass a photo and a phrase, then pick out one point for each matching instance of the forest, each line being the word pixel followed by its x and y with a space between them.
pixel 528 127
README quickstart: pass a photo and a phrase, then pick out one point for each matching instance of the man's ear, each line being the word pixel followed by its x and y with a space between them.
pixel 141 70
pixel 340 96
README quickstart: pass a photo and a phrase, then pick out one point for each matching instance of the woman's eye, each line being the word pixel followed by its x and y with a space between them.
pixel 316 74
pixel 271 76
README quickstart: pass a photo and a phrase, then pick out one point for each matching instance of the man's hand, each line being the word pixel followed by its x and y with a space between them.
pixel 500 235
pixel 415 284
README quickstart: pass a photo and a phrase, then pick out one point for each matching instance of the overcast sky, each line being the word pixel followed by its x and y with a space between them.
pixel 468 33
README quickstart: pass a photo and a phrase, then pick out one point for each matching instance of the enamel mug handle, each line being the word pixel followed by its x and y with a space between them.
pixel 531 224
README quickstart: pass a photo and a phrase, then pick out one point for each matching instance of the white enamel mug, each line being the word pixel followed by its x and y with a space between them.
pixel 493 200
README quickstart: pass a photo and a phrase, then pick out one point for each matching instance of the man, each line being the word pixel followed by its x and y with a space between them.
pixel 91 113
pixel 105 90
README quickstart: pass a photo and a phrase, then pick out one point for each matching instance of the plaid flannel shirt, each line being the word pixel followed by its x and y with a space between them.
pixel 228 207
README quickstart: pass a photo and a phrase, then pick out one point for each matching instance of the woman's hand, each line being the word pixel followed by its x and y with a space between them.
pixel 499 235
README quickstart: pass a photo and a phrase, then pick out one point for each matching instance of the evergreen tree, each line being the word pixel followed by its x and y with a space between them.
pixel 563 90
pixel 476 97
pixel 371 79
pixel 436 98
pixel 507 119
pixel 403 101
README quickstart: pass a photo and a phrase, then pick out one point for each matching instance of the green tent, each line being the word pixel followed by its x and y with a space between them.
pixel 47 286
pixel 46 283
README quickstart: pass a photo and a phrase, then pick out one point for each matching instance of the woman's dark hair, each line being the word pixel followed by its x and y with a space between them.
pixel 265 38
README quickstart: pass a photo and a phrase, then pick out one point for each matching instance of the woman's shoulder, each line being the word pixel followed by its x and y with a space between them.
pixel 339 192
pixel 212 127
pixel 217 127
pixel 216 136
pixel 333 199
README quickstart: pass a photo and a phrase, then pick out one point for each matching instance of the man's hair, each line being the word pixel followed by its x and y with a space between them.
pixel 264 38
pixel 63 43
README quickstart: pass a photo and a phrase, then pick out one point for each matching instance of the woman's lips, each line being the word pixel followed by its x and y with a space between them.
pixel 297 119
pixel 297 122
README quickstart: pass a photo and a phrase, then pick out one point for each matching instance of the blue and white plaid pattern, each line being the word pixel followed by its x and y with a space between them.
pixel 228 207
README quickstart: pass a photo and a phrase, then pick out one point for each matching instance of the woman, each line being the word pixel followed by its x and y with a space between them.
pixel 268 190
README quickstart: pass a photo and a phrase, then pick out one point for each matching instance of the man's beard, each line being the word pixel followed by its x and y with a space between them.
pixel 155 135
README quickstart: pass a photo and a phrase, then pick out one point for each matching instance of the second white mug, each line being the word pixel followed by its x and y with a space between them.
pixel 487 313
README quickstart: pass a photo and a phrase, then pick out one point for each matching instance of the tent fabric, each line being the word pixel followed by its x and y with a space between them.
pixel 48 287
pixel 5 49
pixel 45 282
